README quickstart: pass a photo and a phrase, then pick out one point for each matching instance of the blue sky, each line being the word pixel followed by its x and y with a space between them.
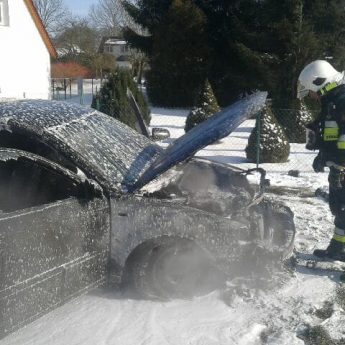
pixel 80 7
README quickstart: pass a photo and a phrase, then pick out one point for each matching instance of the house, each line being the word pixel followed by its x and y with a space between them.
pixel 25 52
pixel 119 48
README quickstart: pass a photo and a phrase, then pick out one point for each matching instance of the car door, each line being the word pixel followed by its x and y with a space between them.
pixel 54 237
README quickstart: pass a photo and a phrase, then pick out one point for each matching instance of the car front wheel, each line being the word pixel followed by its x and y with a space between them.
pixel 171 268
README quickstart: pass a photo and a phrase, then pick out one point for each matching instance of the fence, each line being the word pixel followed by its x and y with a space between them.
pixel 230 150
pixel 77 91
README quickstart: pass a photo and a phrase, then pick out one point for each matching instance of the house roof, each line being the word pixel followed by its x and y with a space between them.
pixel 110 40
pixel 115 42
pixel 40 26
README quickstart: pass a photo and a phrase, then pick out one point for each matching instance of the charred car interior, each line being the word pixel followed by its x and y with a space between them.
pixel 86 201
pixel 24 184
pixel 18 139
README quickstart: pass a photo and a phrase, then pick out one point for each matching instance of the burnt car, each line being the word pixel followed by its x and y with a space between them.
pixel 85 201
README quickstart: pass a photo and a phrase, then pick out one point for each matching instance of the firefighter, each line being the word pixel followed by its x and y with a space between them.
pixel 320 81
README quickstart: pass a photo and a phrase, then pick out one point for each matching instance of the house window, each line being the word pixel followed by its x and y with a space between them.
pixel 109 49
pixel 124 49
pixel 4 20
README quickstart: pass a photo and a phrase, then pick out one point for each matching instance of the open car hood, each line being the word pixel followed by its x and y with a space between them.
pixel 215 128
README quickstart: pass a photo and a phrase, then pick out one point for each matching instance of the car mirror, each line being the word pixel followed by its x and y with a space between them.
pixel 160 134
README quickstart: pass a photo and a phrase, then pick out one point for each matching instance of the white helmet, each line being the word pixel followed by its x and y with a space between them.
pixel 320 76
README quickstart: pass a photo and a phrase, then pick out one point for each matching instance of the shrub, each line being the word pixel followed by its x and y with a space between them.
pixel 274 146
pixel 112 98
pixel 206 107
pixel 294 121
pixel 70 70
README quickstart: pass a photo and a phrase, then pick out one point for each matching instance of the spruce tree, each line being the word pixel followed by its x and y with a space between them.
pixel 206 106
pixel 274 146
pixel 251 44
pixel 178 56
pixel 112 98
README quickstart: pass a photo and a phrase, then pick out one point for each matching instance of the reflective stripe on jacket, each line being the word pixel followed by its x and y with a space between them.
pixel 332 125
pixel 341 142
pixel 331 131
pixel 339 235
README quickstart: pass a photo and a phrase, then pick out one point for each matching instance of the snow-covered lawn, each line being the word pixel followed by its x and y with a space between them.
pixel 274 317
pixel 73 95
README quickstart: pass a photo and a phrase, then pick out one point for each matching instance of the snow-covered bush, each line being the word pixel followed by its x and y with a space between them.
pixel 206 106
pixel 274 145
pixel 294 121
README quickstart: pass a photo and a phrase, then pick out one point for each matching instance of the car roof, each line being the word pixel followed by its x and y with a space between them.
pixel 41 114
pixel 113 159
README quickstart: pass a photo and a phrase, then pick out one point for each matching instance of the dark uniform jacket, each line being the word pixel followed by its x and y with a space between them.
pixel 331 126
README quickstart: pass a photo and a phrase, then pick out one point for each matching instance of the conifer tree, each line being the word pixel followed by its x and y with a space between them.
pixel 179 59
pixel 179 55
pixel 252 44
pixel 112 98
pixel 206 106
pixel 274 146
pixel 148 14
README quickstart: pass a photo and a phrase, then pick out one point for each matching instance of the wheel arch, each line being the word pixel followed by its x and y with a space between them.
pixel 135 222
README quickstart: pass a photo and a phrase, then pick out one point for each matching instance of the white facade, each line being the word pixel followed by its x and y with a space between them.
pixel 120 50
pixel 24 57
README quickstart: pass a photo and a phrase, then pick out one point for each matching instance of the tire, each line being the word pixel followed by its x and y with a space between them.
pixel 135 273
pixel 174 268
pixel 279 219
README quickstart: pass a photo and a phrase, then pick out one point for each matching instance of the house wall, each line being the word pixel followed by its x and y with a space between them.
pixel 24 58
pixel 118 50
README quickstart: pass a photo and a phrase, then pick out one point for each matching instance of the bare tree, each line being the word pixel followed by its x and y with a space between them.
pixel 109 16
pixel 53 13
pixel 77 38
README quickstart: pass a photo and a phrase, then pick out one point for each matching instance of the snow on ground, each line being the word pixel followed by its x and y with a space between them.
pixel 75 95
pixel 275 317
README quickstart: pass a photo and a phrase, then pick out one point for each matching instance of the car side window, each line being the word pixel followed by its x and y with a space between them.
pixel 25 183
pixel 23 142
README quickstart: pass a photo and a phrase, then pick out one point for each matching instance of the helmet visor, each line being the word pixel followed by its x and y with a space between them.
pixel 301 91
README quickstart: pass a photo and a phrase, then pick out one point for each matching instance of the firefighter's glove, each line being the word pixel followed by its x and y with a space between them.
pixel 319 163
pixel 335 178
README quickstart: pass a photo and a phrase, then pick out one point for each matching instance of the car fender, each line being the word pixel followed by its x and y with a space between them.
pixel 135 220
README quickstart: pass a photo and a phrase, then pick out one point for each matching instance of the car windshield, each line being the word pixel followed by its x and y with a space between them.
pixel 106 148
